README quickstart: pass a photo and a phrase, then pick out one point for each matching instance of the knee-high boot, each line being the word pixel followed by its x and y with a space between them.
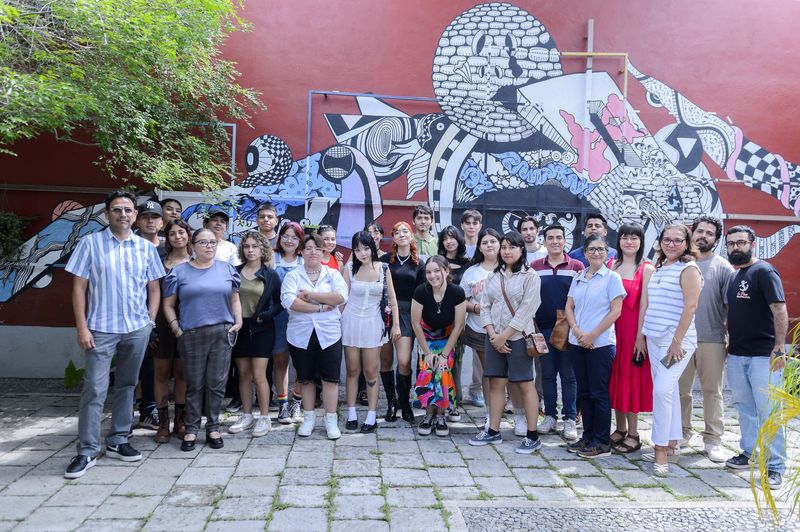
pixel 403 391
pixel 387 378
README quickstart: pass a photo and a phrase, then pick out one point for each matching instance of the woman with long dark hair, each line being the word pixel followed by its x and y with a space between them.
pixel 508 306
pixel 437 316
pixel 407 271
pixel 166 358
pixel 631 385
pixel 669 336
pixel 363 331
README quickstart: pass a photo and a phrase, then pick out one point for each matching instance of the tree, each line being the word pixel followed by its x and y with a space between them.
pixel 144 80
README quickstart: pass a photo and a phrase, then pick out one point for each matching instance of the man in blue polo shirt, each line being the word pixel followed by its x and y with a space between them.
pixel 556 271
pixel 115 297
pixel 595 225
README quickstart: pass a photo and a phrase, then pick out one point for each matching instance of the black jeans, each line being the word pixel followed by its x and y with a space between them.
pixel 592 369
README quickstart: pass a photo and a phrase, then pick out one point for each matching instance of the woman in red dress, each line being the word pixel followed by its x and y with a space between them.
pixel 631 385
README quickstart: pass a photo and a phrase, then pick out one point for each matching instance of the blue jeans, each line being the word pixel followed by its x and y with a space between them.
pixel 592 369
pixel 749 379
pixel 129 349
pixel 557 363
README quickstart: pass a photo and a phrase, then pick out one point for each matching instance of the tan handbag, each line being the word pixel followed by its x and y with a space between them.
pixel 559 337
pixel 535 343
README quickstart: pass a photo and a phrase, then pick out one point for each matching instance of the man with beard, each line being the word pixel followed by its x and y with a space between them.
pixel 757 325
pixel 709 359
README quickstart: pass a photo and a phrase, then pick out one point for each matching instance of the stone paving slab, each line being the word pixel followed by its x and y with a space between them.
pixel 393 479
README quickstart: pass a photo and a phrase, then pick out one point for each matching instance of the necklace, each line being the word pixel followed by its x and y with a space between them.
pixel 315 272
pixel 402 261
pixel 438 303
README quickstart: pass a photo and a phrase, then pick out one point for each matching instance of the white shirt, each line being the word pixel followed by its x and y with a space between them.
pixel 301 324
pixel 536 255
pixel 227 252
pixel 474 284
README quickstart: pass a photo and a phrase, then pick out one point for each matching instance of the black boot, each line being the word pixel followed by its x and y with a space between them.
pixel 403 391
pixel 387 378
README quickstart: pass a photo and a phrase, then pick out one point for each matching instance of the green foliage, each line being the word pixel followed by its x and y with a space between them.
pixel 786 409
pixel 145 81
pixel 73 376
pixel 11 227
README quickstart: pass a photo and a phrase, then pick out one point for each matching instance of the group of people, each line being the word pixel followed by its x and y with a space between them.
pixel 622 333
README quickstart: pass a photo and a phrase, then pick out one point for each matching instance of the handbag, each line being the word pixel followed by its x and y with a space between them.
pixel 535 343
pixel 559 337
pixel 386 309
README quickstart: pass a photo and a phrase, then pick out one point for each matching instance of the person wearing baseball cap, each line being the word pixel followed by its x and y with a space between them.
pixel 217 221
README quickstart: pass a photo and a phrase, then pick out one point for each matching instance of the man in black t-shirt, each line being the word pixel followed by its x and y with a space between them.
pixel 757 326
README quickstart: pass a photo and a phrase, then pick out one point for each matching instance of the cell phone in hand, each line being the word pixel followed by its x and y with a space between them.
pixel 668 361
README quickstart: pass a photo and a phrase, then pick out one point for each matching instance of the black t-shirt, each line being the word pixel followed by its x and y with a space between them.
pixel 405 277
pixel 750 323
pixel 439 315
pixel 458 272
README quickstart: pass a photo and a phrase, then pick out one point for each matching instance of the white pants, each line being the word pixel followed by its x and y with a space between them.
pixel 666 391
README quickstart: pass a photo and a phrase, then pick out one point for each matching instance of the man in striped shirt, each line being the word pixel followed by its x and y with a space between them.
pixel 115 297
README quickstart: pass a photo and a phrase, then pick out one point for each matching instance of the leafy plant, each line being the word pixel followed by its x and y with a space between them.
pixel 786 401
pixel 11 227
pixel 73 376
pixel 143 81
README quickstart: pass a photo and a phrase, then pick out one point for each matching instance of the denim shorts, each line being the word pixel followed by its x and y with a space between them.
pixel 515 366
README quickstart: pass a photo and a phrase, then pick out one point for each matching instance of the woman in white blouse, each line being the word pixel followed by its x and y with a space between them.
pixel 312 294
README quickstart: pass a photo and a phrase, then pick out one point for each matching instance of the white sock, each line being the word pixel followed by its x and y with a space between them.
pixel 351 413
pixel 370 417
pixel 519 411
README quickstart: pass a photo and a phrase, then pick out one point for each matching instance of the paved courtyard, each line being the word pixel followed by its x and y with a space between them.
pixel 392 480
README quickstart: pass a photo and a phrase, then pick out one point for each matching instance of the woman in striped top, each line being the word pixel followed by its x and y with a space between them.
pixel 668 304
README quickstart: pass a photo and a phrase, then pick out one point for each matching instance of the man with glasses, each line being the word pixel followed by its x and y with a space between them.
pixel 757 325
pixel 115 298
pixel 709 358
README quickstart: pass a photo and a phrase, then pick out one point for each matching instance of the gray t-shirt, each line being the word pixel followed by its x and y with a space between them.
pixel 204 295
pixel 709 319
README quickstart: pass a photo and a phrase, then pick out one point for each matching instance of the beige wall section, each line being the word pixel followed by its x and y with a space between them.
pixel 37 352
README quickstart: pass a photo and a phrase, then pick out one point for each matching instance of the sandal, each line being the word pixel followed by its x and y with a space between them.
pixel 625 448
pixel 672 457
pixel 661 470
pixel 616 441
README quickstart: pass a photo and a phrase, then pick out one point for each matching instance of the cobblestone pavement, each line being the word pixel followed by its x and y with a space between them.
pixel 392 480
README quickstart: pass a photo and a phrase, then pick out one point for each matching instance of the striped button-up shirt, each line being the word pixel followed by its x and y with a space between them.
pixel 118 272
pixel 522 289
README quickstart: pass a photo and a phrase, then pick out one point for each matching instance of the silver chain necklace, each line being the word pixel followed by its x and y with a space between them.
pixel 402 261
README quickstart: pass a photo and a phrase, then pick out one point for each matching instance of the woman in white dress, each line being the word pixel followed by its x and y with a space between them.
pixel 363 330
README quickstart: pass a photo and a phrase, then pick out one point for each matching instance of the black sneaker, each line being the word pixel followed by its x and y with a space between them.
pixel 738 462
pixel 149 421
pixel 234 406
pixel 78 466
pixel 775 480
pixel 441 427
pixel 351 425
pixel 284 417
pixel 578 446
pixel 425 426
pixel 123 452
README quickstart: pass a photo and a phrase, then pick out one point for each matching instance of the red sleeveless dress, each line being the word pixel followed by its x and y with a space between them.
pixel 631 388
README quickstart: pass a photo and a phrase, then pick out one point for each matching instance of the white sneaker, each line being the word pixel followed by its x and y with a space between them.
pixel 246 422
pixel 520 425
pixel 715 453
pixel 307 427
pixel 332 426
pixel 570 430
pixel 263 425
pixel 547 425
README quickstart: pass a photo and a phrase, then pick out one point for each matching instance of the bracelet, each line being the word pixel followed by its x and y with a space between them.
pixel 173 321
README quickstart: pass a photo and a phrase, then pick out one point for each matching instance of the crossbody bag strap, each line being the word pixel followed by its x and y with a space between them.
pixel 503 291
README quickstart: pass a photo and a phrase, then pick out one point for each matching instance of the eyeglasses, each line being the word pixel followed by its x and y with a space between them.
pixel 594 251
pixel 120 210
pixel 737 244
pixel 673 241
pixel 290 238
pixel 206 243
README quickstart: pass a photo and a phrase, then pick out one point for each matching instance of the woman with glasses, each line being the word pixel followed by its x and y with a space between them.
pixel 166 358
pixel 594 303
pixel 312 294
pixel 669 336
pixel 508 305
pixel 363 331
pixel 287 258
pixel 207 294
pixel 631 385
pixel 260 297
pixel 407 273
